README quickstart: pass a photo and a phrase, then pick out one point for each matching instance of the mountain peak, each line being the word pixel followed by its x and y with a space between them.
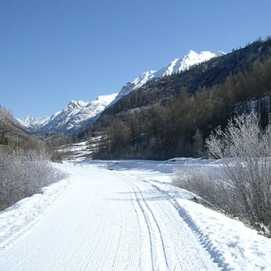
pixel 76 104
pixel 175 66
pixel 31 122
pixel 106 99
pixel 143 78
pixel 186 62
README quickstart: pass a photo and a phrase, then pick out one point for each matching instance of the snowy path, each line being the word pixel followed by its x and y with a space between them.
pixel 109 221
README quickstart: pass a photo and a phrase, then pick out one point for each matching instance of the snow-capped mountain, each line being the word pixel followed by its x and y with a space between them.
pixel 79 113
pixel 176 66
pixel 33 122
pixel 185 63
pixel 72 117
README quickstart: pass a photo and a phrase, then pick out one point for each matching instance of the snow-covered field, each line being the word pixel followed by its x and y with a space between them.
pixel 125 215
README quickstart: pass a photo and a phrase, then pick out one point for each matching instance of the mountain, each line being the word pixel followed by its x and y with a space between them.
pixel 33 123
pixel 183 64
pixel 176 66
pixel 79 114
pixel 173 115
pixel 204 75
pixel 75 115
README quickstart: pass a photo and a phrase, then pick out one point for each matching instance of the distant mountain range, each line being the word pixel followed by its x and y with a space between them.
pixel 78 114
pixel 71 118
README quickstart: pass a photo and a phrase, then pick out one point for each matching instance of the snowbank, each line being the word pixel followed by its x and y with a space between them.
pixel 16 219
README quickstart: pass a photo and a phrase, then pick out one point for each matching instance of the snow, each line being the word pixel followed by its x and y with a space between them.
pixel 32 122
pixel 176 66
pixel 79 151
pixel 72 117
pixel 183 64
pixel 143 79
pixel 135 84
pixel 18 218
pixel 241 247
pixel 106 99
pixel 125 215
pixel 76 112
pixel 76 104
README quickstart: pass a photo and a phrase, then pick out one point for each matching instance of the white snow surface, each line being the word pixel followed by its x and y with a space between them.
pixel 124 216
pixel 185 63
pixel 80 151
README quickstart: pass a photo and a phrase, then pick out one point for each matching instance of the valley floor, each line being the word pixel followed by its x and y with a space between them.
pixel 125 218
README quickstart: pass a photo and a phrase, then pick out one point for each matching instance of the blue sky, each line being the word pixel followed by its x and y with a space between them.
pixel 54 51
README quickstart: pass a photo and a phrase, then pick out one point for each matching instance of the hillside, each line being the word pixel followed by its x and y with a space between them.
pixel 206 74
pixel 14 135
pixel 173 115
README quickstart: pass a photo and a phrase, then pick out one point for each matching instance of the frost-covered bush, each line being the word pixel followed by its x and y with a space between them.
pixel 23 174
pixel 245 150
pixel 211 188
pixel 242 185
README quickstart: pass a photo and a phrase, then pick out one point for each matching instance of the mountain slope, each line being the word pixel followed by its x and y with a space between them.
pixel 205 75
pixel 33 123
pixel 176 66
pixel 183 64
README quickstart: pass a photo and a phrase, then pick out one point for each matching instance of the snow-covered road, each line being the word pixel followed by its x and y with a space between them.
pixel 106 221
pixel 111 220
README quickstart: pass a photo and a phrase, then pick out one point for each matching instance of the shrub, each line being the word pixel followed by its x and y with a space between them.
pixel 245 149
pixel 23 174
pixel 215 191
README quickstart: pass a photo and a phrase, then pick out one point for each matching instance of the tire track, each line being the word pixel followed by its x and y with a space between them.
pixel 157 226
pixel 204 240
pixel 135 209
pixel 141 239
pixel 123 222
pixel 147 225
pixel 179 243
